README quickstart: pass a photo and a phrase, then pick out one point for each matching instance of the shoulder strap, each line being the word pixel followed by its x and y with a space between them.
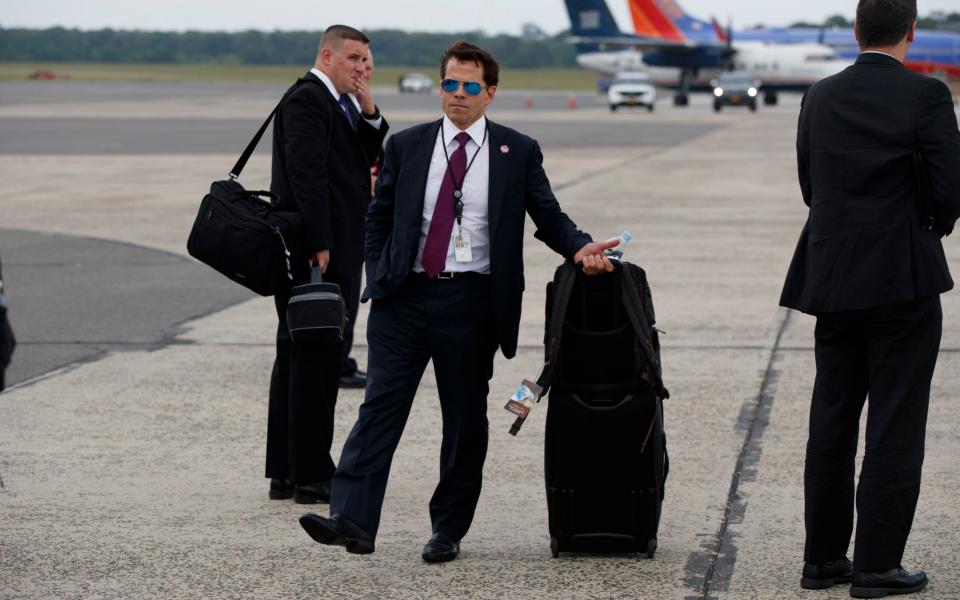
pixel 638 318
pixel 242 161
pixel 563 282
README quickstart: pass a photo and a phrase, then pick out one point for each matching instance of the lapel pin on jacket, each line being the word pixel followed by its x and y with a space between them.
pixel 504 149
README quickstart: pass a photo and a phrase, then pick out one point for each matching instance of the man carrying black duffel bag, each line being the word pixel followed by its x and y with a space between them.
pixel 323 147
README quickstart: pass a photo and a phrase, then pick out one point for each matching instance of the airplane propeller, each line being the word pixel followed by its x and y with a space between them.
pixel 730 52
pixel 726 38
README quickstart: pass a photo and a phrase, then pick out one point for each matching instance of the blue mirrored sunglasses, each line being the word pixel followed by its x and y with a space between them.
pixel 452 85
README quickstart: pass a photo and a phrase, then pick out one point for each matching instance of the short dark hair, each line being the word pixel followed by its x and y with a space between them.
pixel 884 22
pixel 464 51
pixel 334 35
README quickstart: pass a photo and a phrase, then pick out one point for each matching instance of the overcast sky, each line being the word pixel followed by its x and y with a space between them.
pixel 492 16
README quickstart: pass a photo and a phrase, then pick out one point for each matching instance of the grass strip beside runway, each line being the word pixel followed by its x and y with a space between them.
pixel 535 79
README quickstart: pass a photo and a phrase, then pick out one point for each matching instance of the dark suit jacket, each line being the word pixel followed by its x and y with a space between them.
pixel 321 167
pixel 7 340
pixel 518 185
pixel 862 245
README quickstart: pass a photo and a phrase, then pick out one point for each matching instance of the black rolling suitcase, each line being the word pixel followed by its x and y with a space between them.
pixel 606 456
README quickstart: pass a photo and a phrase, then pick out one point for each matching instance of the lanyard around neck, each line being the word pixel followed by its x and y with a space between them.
pixel 458 185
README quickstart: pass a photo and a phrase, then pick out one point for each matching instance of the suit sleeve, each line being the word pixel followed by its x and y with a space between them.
pixel 554 227
pixel 939 142
pixel 371 138
pixel 306 132
pixel 803 152
pixel 380 213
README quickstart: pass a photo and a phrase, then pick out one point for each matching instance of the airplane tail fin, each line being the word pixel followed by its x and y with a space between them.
pixel 721 33
pixel 666 20
pixel 591 18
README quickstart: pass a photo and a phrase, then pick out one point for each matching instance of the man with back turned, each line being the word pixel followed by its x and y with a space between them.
pixel 871 270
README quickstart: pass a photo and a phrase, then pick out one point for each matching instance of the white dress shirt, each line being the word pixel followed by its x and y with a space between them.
pixel 476 189
pixel 333 90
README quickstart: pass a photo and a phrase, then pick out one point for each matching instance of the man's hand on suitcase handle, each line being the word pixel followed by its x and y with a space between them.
pixel 592 259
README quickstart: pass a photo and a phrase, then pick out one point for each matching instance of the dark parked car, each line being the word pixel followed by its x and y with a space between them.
pixel 735 88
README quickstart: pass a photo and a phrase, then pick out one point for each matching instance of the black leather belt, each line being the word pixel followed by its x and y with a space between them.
pixel 450 275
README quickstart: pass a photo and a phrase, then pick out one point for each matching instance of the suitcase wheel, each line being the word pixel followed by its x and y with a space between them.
pixel 651 547
pixel 555 547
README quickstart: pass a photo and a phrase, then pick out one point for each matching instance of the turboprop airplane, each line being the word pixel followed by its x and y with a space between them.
pixel 676 59
pixel 932 52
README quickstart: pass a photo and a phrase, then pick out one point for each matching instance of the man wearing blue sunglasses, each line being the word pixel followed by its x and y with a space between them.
pixel 444 265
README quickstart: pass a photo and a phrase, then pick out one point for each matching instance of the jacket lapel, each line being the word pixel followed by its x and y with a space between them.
pixel 334 102
pixel 499 163
pixel 419 169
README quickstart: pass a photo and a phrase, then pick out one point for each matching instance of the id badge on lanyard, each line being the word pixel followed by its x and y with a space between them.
pixel 462 247
pixel 462 250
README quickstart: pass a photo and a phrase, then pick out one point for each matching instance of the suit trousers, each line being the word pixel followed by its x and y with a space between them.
pixel 351 297
pixel 887 353
pixel 303 395
pixel 451 323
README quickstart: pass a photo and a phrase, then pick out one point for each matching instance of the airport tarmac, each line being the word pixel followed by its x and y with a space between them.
pixel 186 118
pixel 131 443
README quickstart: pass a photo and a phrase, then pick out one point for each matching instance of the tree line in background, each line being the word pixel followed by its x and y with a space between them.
pixel 935 20
pixel 532 49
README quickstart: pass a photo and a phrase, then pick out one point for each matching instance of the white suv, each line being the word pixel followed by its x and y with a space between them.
pixel 415 83
pixel 632 89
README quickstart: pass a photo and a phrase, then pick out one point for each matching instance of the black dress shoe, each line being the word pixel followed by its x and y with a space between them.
pixel 355 380
pixel 820 576
pixel 312 493
pixel 440 548
pixel 337 531
pixel 894 581
pixel 281 489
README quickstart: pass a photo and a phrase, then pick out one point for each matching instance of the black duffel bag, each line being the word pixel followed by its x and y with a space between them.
pixel 248 235
pixel 247 238
pixel 316 312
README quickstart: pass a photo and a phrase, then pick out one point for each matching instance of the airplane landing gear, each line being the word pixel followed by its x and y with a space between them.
pixel 770 98
pixel 686 78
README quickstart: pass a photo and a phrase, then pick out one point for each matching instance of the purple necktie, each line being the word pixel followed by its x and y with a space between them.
pixel 345 105
pixel 441 225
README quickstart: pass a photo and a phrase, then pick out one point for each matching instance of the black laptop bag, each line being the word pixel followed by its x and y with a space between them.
pixel 316 312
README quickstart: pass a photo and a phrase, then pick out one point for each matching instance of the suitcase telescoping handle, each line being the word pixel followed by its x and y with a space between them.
pixel 316 275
